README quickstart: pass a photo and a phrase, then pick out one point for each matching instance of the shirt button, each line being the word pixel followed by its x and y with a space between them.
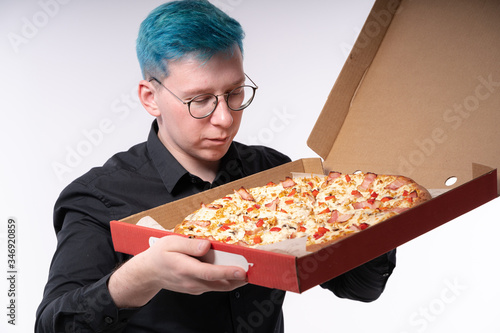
pixel 108 320
pixel 237 295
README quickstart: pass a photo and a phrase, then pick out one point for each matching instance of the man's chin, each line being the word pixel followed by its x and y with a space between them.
pixel 214 155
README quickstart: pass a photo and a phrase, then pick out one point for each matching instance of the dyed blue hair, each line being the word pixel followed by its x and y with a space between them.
pixel 184 28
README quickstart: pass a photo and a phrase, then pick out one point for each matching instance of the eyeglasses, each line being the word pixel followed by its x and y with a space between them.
pixel 203 105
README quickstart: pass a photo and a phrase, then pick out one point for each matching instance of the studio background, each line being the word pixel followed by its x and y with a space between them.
pixel 68 89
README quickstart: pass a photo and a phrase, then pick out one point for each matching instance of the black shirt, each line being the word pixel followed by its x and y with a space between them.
pixel 76 297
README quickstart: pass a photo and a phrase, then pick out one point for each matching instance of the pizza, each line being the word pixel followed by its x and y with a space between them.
pixel 323 209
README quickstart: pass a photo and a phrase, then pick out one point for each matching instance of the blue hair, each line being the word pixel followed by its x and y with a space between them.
pixel 183 28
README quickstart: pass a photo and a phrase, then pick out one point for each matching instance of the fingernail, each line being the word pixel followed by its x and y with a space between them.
pixel 239 275
pixel 202 246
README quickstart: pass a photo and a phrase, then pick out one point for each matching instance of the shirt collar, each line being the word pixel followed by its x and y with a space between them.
pixel 171 171
pixel 230 168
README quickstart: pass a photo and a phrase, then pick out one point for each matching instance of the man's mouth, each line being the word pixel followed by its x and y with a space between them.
pixel 220 140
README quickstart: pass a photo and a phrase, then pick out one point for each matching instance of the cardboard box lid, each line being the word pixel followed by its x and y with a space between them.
pixel 419 94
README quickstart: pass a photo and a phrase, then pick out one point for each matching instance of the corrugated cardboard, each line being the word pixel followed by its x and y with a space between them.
pixel 419 95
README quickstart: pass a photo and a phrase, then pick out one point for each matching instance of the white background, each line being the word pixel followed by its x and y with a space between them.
pixel 68 69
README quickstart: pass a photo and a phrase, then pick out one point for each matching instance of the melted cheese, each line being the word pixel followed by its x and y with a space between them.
pixel 306 209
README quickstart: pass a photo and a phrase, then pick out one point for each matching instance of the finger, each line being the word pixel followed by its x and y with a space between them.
pixel 192 247
pixel 198 248
pixel 201 286
pixel 222 285
pixel 210 272
pixel 209 277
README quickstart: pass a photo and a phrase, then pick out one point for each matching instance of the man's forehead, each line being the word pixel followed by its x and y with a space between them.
pixel 195 73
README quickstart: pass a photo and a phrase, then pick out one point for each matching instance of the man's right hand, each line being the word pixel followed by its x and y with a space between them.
pixel 171 263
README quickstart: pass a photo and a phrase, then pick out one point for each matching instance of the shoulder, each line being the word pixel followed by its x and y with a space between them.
pixel 97 192
pixel 257 158
pixel 130 161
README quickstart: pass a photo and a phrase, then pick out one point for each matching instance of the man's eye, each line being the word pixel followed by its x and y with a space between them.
pixel 205 99
pixel 237 91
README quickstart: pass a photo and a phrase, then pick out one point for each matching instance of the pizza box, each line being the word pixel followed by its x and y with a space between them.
pixel 418 96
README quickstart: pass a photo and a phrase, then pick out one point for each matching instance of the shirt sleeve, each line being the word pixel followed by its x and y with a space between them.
pixel 366 282
pixel 76 297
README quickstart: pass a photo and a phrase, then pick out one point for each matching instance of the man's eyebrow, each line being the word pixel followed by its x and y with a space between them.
pixel 241 80
pixel 190 93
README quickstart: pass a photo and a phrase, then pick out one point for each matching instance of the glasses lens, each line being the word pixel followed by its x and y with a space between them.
pixel 240 98
pixel 202 105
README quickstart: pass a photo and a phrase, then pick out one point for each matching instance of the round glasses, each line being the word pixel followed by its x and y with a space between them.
pixel 203 105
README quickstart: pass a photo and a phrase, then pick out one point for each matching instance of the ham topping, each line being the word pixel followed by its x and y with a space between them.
pixel 398 209
pixel 340 218
pixel 199 223
pixel 332 175
pixel 273 205
pixel 397 183
pixel 288 182
pixel 370 204
pixel 242 192
pixel 367 181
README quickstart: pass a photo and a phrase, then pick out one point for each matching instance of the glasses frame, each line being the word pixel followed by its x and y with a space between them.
pixel 226 97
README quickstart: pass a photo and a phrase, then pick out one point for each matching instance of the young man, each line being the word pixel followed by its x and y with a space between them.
pixel 195 87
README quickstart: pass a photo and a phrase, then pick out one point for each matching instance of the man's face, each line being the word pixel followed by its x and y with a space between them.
pixel 199 141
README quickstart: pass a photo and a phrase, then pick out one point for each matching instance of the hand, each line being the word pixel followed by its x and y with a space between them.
pixel 172 261
pixel 171 264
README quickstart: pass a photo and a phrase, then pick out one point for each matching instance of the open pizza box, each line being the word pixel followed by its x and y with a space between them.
pixel 419 95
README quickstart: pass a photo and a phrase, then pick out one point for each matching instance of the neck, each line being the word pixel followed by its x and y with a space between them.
pixel 206 170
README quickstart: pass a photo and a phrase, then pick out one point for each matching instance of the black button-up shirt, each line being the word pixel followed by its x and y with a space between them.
pixel 76 297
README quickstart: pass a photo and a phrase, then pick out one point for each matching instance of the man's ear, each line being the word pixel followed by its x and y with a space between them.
pixel 147 95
